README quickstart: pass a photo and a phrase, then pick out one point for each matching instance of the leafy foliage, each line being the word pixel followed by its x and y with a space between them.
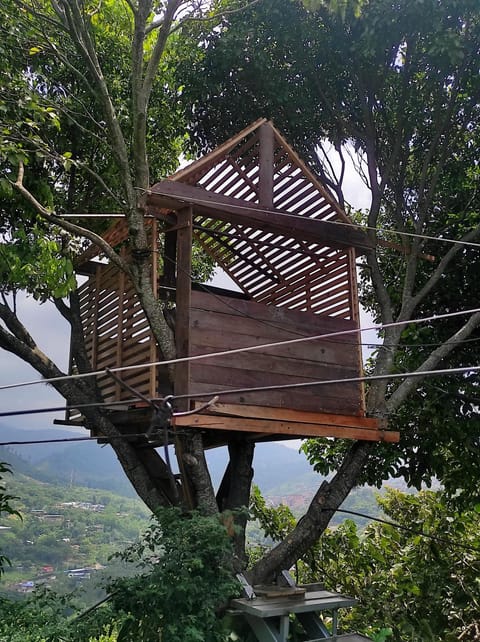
pixel 5 507
pixel 422 588
pixel 415 582
pixel 37 263
pixel 183 576
pixel 398 87
pixel 275 522
pixel 186 575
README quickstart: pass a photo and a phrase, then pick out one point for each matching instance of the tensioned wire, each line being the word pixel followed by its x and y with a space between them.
pixel 443 540
pixel 408 529
pixel 386 230
pixel 287 386
pixel 408 234
pixel 211 291
pixel 211 355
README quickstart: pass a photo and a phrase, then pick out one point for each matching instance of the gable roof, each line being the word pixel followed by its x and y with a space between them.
pixel 268 221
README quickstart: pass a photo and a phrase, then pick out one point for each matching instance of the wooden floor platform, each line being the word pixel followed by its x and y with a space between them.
pixel 269 609
pixel 310 601
pixel 286 423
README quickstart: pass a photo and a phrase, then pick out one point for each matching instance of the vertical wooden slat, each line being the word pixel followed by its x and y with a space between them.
pixel 266 165
pixel 121 304
pixel 352 285
pixel 153 344
pixel 98 275
pixel 182 324
pixel 355 315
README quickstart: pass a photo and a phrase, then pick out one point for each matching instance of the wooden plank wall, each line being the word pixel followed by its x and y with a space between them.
pixel 223 323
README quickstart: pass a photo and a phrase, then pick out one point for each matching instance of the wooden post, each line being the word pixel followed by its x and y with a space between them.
pixel 121 309
pixel 267 144
pixel 182 332
pixel 355 315
pixel 184 289
pixel 153 344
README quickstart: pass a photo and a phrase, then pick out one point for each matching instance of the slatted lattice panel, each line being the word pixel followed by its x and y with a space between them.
pixel 271 268
pixel 117 333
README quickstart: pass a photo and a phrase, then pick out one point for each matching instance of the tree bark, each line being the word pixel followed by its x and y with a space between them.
pixel 327 499
pixel 234 493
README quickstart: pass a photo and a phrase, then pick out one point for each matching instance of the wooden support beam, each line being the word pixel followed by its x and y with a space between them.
pixel 182 333
pixel 174 196
pixel 183 303
pixel 153 344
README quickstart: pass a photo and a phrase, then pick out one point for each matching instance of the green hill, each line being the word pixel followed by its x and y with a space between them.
pixel 64 528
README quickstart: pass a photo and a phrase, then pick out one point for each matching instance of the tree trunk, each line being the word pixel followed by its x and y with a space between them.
pixel 234 493
pixel 327 499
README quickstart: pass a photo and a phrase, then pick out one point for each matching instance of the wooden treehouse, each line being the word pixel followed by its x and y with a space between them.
pixel 268 223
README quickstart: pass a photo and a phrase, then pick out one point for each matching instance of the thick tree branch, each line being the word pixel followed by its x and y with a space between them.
pixel 327 499
pixel 434 279
pixel 405 388
pixel 195 466
pixel 152 488
pixel 66 225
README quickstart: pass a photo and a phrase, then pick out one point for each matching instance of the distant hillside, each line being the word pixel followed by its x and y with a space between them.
pixel 274 466
pixel 282 474
pixel 80 464
pixel 91 465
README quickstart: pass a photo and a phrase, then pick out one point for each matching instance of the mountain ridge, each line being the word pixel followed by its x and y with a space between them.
pixel 88 464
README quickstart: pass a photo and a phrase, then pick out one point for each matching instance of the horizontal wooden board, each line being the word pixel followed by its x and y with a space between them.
pixel 248 378
pixel 286 414
pixel 308 352
pixel 268 361
pixel 285 319
pixel 311 398
pixel 223 323
pixel 284 428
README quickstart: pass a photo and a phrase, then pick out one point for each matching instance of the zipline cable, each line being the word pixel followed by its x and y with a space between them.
pixel 288 386
pixel 408 529
pixel 211 355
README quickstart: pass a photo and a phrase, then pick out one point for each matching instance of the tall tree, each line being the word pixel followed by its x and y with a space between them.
pixel 400 87
pixel 397 88
pixel 89 113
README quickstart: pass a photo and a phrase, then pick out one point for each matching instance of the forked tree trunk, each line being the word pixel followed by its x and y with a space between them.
pixel 327 499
